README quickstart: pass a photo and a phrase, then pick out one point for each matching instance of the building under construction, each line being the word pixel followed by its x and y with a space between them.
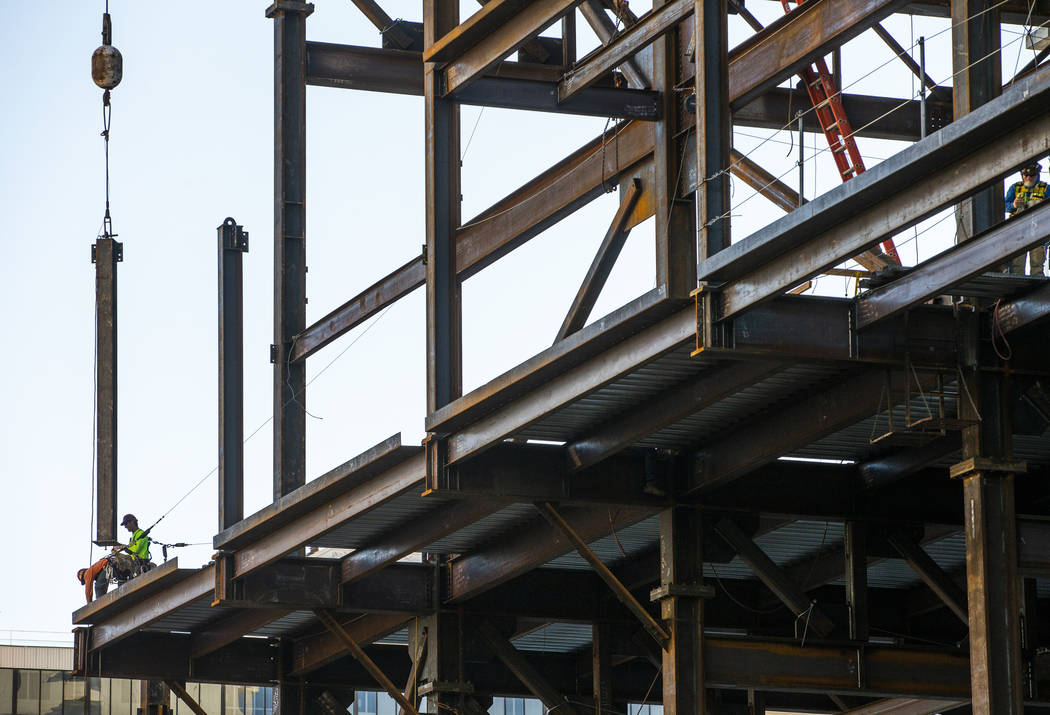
pixel 722 497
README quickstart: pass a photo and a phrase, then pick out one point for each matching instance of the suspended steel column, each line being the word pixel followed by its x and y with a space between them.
pixel 444 328
pixel 977 79
pixel 991 536
pixel 289 255
pixel 233 244
pixel 106 253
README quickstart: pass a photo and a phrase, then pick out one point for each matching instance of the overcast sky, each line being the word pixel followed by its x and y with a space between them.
pixel 191 144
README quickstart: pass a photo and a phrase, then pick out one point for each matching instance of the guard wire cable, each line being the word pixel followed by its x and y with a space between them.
pixel 827 149
pixel 624 125
pixel 269 419
pixel 1028 33
pixel 841 90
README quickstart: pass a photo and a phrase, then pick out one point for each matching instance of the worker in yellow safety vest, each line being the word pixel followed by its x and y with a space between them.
pixel 1026 194
pixel 138 546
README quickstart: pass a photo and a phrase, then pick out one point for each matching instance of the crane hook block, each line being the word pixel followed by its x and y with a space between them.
pixel 107 65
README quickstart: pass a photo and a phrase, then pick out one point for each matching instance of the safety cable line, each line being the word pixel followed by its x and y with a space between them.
pixel 854 133
pixel 841 90
pixel 1028 32
pixel 269 419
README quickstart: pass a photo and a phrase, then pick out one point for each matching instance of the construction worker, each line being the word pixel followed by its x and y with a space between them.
pixel 138 546
pixel 1025 194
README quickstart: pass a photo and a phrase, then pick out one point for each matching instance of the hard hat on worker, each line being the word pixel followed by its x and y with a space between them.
pixel 80 575
pixel 1032 169
pixel 127 518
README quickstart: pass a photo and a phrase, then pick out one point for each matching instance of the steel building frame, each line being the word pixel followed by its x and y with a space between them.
pixel 625 491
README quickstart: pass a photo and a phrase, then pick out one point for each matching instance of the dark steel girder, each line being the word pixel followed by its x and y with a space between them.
pixel 623 47
pixel 502 560
pixel 489 45
pixel 511 85
pixel 938 275
pixel 915 183
pixel 316 651
pixel 811 30
pixel 1025 310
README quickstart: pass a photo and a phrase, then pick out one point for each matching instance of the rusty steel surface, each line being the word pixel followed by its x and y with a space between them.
pixel 1027 309
pixel 398 479
pixel 492 46
pixel 192 586
pixel 983 253
pixel 623 47
pixel 777 52
pixel 131 592
pixel 105 254
pixel 317 492
pixel 965 155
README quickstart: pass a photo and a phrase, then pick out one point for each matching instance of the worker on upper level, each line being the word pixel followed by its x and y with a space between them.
pixel 1025 194
pixel 138 546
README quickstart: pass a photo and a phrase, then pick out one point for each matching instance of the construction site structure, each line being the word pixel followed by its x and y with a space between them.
pixel 722 497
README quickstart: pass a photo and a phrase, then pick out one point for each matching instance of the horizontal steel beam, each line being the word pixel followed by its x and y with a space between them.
pixel 623 46
pixel 577 382
pixel 936 276
pixel 490 45
pixel 316 651
pixel 364 305
pixel 232 628
pixel 474 29
pixel 798 423
pixel 811 30
pixel 500 561
pixel 917 182
pixel 406 476
pixel 1027 309
pixel 160 656
pixel 193 586
pixel 780 666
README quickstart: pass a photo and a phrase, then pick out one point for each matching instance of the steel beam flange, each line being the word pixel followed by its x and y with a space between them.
pixel 681 590
pixel 974 465
pixel 445 686
pixel 436 450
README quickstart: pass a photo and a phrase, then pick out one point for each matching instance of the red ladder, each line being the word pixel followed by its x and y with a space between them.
pixel 827 104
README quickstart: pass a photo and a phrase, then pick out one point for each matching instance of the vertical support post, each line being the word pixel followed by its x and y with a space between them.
pixel 289 697
pixel 681 567
pixel 233 244
pixel 977 78
pixel 801 159
pixel 991 535
pixel 922 87
pixel 675 238
pixel 1030 636
pixel 155 698
pixel 106 253
pixel 712 126
pixel 289 255
pixel 444 315
pixel 601 668
pixel 856 542
pixel 443 682
pixel 568 40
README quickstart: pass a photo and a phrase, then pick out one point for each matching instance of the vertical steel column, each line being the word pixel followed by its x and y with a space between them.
pixel 977 78
pixel 105 254
pixel 682 572
pixel 991 535
pixel 289 255
pixel 233 244
pixel 675 233
pixel 712 126
pixel 443 682
pixel 289 696
pixel 444 315
pixel 601 668
pixel 856 543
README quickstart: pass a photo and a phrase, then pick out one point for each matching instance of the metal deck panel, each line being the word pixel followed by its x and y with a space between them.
pixel 507 519
pixel 556 638
pixel 359 530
